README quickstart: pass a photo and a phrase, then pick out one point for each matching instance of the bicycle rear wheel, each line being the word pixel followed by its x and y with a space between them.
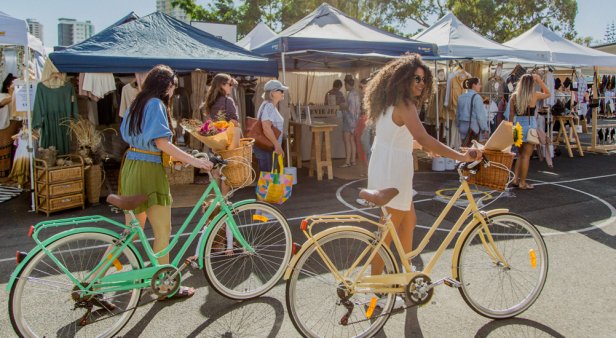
pixel 489 286
pixel 314 296
pixel 44 301
pixel 238 274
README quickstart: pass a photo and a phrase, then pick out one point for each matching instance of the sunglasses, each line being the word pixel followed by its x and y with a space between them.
pixel 279 90
pixel 419 79
pixel 230 84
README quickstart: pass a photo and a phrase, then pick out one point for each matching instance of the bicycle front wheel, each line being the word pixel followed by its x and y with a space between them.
pixel 44 301
pixel 319 304
pixel 498 289
pixel 238 274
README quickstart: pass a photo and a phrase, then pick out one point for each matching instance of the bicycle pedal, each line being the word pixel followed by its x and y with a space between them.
pixel 451 283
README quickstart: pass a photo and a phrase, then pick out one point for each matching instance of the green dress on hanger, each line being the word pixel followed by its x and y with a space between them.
pixel 53 107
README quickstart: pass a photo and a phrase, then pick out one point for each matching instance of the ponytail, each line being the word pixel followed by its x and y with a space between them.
pixel 468 83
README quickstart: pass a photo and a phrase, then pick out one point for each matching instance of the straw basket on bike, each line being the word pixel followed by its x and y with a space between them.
pixel 238 171
pixel 494 175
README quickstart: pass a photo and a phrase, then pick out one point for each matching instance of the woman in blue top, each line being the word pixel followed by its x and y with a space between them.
pixel 147 129
pixel 471 114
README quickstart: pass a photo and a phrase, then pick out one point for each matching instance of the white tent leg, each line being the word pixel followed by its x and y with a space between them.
pixel 436 101
pixel 29 118
pixel 284 69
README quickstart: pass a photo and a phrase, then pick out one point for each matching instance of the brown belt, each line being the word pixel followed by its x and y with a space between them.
pixel 137 150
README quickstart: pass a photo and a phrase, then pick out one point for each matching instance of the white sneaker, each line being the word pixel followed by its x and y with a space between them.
pixel 398 303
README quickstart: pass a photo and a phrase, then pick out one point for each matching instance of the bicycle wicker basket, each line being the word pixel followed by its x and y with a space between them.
pixel 493 176
pixel 238 171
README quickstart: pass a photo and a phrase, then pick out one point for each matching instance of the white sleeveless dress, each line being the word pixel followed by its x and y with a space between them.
pixel 391 162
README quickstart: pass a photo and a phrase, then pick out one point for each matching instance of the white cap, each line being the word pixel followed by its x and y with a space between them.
pixel 274 85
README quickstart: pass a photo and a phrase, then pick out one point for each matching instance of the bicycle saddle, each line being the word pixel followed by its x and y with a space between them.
pixel 126 202
pixel 378 197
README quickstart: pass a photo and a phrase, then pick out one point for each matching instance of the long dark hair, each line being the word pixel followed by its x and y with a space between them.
pixel 392 85
pixel 156 85
pixel 215 91
pixel 7 82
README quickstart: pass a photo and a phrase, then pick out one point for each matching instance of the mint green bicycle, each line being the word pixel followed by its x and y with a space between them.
pixel 87 281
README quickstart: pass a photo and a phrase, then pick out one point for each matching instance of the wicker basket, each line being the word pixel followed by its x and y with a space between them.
pixel 239 171
pixel 493 176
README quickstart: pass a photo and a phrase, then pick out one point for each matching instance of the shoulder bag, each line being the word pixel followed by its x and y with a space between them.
pixel 471 135
pixel 532 136
pixel 254 129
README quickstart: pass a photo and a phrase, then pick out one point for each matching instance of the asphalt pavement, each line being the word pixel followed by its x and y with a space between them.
pixel 573 206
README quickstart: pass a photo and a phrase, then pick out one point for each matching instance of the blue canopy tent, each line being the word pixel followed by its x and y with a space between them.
pixel 141 43
pixel 329 39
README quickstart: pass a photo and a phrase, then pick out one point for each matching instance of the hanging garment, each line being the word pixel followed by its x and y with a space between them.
pixel 99 84
pixel 129 93
pixel 20 172
pixel 549 83
pixel 53 107
pixel 5 115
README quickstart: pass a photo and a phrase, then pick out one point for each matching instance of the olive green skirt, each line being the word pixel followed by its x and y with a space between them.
pixel 145 178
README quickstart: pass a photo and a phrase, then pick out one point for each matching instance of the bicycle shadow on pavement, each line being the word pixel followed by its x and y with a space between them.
pixel 259 317
pixel 516 327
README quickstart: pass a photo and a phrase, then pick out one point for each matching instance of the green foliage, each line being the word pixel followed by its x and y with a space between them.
pixel 499 20
pixel 502 20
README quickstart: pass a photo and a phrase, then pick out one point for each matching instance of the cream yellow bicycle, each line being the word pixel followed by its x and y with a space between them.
pixel 500 264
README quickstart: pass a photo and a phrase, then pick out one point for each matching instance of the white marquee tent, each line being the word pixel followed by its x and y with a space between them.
pixel 456 40
pixel 560 50
pixel 257 36
pixel 14 32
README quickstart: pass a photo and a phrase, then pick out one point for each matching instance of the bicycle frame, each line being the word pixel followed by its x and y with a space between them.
pixel 396 282
pixel 126 280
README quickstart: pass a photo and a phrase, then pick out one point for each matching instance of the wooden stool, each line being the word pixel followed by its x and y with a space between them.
pixel 563 133
pixel 317 161
pixel 295 138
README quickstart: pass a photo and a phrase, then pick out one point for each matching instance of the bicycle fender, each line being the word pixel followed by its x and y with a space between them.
pixel 208 229
pixel 54 238
pixel 465 233
pixel 322 234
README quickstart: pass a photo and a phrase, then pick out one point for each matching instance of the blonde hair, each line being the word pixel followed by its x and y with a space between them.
pixel 392 86
pixel 524 93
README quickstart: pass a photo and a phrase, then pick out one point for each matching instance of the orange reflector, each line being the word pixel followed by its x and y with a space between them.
pixel 31 231
pixel 371 307
pixel 304 225
pixel 533 258
pixel 116 263
pixel 19 256
pixel 294 247
pixel 259 218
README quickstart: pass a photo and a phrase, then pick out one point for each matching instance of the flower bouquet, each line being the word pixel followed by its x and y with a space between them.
pixel 216 135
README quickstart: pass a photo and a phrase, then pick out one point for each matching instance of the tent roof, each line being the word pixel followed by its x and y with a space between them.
pixel 561 50
pixel 140 44
pixel 13 31
pixel 455 39
pixel 257 36
pixel 328 29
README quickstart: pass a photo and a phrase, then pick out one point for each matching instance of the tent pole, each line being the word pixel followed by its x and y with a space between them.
pixel 29 117
pixel 436 101
pixel 284 68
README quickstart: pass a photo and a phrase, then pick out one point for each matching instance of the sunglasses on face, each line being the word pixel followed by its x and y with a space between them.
pixel 279 90
pixel 419 79
pixel 230 84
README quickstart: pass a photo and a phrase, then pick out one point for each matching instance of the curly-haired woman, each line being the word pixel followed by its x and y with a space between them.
pixel 391 99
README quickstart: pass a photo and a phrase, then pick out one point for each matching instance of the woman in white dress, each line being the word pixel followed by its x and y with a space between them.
pixel 391 99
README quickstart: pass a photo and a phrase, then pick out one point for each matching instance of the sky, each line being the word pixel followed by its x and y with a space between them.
pixel 591 20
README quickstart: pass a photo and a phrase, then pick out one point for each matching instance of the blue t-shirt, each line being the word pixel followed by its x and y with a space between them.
pixel 154 126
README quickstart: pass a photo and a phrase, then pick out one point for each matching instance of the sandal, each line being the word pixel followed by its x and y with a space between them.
pixel 527 186
pixel 346 165
pixel 353 164
pixel 183 292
